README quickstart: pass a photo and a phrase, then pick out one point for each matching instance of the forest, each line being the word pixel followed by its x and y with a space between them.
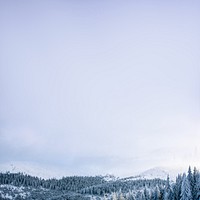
pixel 22 186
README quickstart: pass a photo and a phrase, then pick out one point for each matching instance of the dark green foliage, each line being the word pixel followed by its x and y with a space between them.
pixel 177 187
pixel 185 189
pixel 195 189
pixel 77 187
pixel 21 186
pixel 73 183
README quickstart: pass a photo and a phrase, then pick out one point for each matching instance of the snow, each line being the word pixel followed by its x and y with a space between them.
pixel 49 172
pixel 157 172
pixel 32 169
pixel 109 177
pixel 12 187
pixel 6 196
pixel 12 191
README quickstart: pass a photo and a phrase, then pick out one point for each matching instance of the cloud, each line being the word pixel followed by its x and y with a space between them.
pixel 21 138
pixel 74 94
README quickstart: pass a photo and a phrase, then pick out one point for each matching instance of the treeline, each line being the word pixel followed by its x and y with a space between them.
pixel 80 184
pixel 85 186
pixel 186 187
pixel 123 187
pixel 72 183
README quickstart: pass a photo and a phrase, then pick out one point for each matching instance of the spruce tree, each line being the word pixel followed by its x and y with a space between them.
pixel 156 194
pixel 195 184
pixel 198 187
pixel 168 191
pixel 190 178
pixel 185 189
pixel 146 194
pixel 177 187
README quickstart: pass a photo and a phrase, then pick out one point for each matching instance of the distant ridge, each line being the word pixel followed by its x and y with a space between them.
pixel 157 172
pixel 34 169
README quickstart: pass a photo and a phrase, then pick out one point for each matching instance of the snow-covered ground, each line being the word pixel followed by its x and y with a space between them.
pixel 109 177
pixel 11 192
pixel 32 169
pixel 157 172
pixel 48 172
pixel 161 172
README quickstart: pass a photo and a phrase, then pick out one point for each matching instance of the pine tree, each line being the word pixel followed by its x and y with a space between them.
pixel 189 176
pixel 198 187
pixel 156 194
pixel 168 190
pixel 121 197
pixel 114 196
pixel 130 196
pixel 146 194
pixel 177 187
pixel 140 196
pixel 195 184
pixel 185 189
pixel 190 179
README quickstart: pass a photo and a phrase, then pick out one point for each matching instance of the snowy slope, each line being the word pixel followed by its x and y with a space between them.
pixel 157 172
pixel 31 169
pixel 49 172
pixel 109 177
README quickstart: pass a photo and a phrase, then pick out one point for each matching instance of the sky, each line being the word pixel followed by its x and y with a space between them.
pixel 96 87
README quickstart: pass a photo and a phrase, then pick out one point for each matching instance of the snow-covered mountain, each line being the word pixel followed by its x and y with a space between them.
pixel 49 172
pixel 32 169
pixel 161 172
pixel 157 172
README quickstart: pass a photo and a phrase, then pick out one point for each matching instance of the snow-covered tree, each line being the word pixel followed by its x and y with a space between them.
pixel 195 178
pixel 130 196
pixel 156 194
pixel 177 187
pixel 185 189
pixel 140 196
pixel 190 178
pixel 198 187
pixel 168 194
pixel 114 196
pixel 146 193
pixel 121 197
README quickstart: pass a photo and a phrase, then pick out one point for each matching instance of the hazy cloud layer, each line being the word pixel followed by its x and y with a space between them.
pixel 97 87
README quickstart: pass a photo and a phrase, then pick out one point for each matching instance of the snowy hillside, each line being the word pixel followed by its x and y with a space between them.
pixel 146 185
pixel 32 169
pixel 109 177
pixel 157 172
pixel 161 173
pixel 49 172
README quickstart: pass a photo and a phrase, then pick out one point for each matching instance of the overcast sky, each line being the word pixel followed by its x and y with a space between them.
pixel 98 87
